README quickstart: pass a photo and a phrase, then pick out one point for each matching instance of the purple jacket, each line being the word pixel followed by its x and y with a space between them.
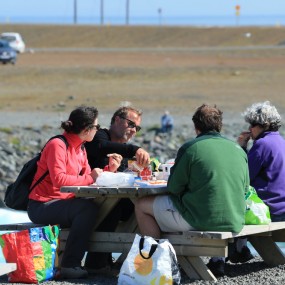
pixel 266 160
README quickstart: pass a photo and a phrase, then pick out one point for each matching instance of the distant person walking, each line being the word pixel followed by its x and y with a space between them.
pixel 166 122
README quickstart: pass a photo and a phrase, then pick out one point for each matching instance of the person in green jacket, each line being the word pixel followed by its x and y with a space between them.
pixel 206 185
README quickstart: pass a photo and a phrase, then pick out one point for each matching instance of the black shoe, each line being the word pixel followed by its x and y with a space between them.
pixel 73 273
pixel 217 267
pixel 241 257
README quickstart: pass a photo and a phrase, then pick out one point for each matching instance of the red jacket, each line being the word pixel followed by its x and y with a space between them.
pixel 66 166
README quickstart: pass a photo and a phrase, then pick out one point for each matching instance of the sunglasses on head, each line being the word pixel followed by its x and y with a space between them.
pixel 131 124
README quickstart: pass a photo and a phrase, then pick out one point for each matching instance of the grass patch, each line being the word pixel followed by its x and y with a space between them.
pixel 6 130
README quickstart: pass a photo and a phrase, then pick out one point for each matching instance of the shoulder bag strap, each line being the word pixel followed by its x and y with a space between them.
pixel 46 173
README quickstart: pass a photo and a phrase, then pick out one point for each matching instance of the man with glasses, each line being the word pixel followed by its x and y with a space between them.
pixel 125 124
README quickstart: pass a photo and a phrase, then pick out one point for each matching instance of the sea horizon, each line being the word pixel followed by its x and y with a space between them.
pixel 232 20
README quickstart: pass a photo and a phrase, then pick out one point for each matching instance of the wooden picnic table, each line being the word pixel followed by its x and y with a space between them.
pixel 106 198
pixel 190 246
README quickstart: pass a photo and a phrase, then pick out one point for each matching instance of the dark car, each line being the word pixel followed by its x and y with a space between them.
pixel 7 54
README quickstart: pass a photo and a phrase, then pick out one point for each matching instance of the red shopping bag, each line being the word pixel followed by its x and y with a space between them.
pixel 34 252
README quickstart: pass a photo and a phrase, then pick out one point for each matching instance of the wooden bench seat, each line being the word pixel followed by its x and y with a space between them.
pixel 190 246
pixel 19 226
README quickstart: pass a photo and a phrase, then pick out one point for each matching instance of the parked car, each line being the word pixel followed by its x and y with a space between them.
pixel 15 40
pixel 7 54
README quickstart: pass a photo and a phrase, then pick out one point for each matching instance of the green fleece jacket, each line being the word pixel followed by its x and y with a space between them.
pixel 208 181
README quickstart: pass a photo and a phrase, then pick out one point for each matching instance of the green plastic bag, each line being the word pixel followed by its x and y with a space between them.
pixel 257 213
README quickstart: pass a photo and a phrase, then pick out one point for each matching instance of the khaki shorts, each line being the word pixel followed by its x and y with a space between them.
pixel 167 216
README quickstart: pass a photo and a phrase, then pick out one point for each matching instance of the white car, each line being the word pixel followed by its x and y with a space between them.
pixel 15 41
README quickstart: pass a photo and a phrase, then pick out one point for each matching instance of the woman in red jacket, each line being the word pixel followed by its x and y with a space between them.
pixel 67 165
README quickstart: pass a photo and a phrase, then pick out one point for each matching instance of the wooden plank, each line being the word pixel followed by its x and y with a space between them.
pixel 247 230
pixel 201 268
pixel 117 237
pixel 105 206
pixel 121 242
pixel 125 192
pixel 130 226
pixel 6 268
pixel 268 250
pixel 19 226
pixel 187 267
pixel 179 238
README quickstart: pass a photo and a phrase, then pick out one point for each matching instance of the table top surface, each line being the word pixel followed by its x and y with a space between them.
pixel 129 191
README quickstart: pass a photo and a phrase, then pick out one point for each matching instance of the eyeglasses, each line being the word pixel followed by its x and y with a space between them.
pixel 97 127
pixel 132 124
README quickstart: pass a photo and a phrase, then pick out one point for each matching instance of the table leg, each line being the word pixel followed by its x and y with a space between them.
pixel 195 268
pixel 268 250
pixel 105 206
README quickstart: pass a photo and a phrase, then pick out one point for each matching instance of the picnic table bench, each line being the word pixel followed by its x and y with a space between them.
pixel 190 246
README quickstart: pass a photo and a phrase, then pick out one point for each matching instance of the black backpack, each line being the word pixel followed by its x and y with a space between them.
pixel 17 193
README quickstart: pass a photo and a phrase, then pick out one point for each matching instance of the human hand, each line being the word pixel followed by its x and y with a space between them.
pixel 95 173
pixel 142 157
pixel 115 160
pixel 243 138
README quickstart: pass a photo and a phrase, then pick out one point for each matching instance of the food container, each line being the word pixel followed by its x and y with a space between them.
pixel 146 173
pixel 166 168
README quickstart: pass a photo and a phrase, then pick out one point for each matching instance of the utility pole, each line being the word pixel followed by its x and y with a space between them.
pixel 127 11
pixel 75 12
pixel 159 15
pixel 237 14
pixel 102 12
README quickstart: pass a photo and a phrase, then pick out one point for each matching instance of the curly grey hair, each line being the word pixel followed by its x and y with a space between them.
pixel 263 114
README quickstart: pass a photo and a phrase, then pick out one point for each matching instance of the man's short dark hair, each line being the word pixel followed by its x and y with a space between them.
pixel 123 112
pixel 207 118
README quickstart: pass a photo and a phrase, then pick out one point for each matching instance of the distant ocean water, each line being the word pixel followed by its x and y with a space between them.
pixel 242 20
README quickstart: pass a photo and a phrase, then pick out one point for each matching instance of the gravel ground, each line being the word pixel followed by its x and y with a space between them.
pixel 253 272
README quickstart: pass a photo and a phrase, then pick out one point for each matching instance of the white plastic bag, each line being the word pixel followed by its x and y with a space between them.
pixel 150 261
pixel 111 179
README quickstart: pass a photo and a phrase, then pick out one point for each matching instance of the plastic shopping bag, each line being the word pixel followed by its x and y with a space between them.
pixel 150 261
pixel 111 179
pixel 34 252
pixel 257 213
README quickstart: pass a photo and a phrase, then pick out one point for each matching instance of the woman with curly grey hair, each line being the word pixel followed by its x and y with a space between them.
pixel 266 161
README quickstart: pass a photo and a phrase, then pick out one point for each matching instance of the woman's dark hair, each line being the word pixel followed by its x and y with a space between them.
pixel 207 118
pixel 79 119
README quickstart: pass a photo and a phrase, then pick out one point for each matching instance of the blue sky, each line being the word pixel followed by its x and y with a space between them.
pixel 140 8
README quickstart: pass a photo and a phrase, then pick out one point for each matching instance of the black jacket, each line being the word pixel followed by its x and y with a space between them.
pixel 102 145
